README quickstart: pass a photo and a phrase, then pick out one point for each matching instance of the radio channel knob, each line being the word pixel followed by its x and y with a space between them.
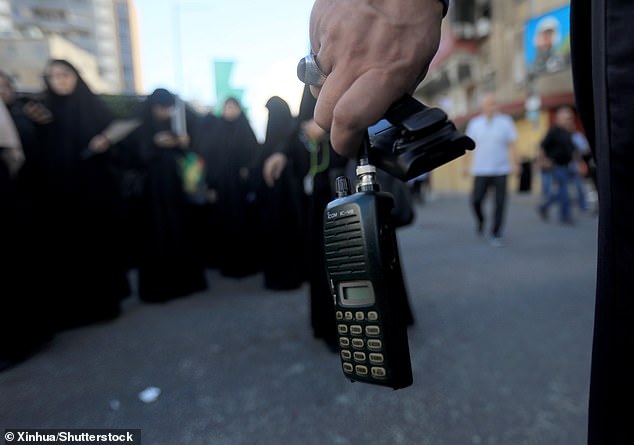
pixel 342 186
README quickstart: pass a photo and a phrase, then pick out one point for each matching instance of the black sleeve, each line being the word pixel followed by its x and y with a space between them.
pixel 546 143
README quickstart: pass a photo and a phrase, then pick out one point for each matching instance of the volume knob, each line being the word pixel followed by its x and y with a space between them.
pixel 342 186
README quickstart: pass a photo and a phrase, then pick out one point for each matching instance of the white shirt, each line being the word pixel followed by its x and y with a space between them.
pixel 491 156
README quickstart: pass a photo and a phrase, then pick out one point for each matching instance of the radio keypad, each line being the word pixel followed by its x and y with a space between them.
pixel 360 342
pixel 359 356
pixel 377 372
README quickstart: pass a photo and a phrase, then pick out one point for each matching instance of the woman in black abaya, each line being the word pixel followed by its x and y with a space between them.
pixel 24 301
pixel 315 161
pixel 236 197
pixel 169 265
pixel 207 146
pixel 82 250
pixel 282 203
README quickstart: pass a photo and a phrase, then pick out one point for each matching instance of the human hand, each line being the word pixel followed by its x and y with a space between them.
pixel 13 157
pixel 212 196
pixel 183 140
pixel 99 143
pixel 38 113
pixel 165 139
pixel 313 131
pixel 374 52
pixel 273 167
pixel 516 169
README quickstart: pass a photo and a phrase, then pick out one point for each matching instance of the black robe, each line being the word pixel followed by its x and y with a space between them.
pixel 283 205
pixel 81 205
pixel 235 148
pixel 602 47
pixel 24 298
pixel 163 221
pixel 207 146
pixel 322 309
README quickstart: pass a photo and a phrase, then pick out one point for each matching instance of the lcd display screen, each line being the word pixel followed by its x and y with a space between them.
pixel 359 293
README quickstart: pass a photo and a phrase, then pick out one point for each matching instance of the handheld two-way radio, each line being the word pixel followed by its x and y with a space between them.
pixel 361 251
pixel 364 272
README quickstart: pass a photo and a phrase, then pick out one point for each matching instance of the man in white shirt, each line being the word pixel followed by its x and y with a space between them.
pixel 493 159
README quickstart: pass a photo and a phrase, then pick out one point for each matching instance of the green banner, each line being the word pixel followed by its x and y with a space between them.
pixel 224 89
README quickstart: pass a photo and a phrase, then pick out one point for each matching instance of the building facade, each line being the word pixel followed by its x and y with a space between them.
pixel 104 29
pixel 518 48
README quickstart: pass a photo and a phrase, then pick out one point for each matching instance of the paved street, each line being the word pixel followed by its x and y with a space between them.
pixel 500 352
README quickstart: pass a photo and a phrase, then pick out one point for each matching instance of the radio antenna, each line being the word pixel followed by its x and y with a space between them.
pixel 364 151
pixel 366 172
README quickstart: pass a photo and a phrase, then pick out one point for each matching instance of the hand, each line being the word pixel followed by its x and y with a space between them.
pixel 374 52
pixel 99 143
pixel 165 139
pixel 516 169
pixel 212 196
pixel 273 168
pixel 38 113
pixel 13 158
pixel 313 131
pixel 183 140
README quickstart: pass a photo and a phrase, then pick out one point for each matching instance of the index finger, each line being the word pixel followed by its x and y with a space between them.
pixel 363 104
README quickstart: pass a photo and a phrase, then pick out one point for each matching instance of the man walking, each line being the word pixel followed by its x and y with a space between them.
pixel 558 149
pixel 493 159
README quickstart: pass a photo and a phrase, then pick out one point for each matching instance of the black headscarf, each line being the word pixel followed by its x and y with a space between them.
pixel 307 105
pixel 151 125
pixel 77 118
pixel 81 114
pixel 279 126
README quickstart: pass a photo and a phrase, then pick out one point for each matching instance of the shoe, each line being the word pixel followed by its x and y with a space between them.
pixel 543 213
pixel 480 228
pixel 496 241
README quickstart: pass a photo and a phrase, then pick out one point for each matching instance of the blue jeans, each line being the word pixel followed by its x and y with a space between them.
pixel 561 177
pixel 581 190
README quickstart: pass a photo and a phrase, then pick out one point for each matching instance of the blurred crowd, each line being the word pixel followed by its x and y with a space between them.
pixel 166 192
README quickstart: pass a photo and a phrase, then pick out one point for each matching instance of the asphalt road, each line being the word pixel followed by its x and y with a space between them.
pixel 500 352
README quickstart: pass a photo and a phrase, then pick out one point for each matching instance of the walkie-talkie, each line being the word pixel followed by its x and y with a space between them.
pixel 361 250
pixel 364 274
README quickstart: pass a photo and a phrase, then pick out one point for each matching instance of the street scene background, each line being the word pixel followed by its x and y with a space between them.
pixel 500 352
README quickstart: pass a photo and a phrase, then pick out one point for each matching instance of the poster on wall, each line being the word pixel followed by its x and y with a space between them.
pixel 547 42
